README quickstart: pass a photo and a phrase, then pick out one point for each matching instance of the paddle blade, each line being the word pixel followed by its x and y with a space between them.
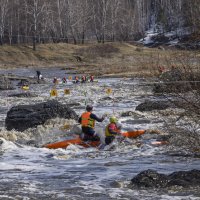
pixel 133 134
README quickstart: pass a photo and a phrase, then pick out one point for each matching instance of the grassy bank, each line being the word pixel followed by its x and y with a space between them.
pixel 121 59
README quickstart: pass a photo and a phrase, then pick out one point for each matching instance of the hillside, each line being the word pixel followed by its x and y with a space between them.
pixel 98 59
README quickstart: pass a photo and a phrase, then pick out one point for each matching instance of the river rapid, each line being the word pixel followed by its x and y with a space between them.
pixel 28 171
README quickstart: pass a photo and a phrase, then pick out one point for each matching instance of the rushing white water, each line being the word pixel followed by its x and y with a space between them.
pixel 28 171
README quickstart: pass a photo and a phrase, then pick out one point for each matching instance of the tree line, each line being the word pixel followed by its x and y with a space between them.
pixel 79 21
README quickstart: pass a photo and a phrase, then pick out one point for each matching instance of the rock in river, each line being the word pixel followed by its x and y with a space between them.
pixel 152 179
pixel 153 105
pixel 24 94
pixel 22 117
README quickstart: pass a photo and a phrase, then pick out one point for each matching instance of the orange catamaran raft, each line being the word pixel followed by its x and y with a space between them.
pixel 79 141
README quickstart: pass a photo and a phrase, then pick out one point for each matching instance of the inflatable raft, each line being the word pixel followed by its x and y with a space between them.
pixel 79 141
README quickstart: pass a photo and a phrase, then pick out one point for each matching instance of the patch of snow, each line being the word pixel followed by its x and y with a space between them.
pixel 173 35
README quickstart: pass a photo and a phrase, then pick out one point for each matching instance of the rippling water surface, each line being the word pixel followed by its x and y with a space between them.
pixel 29 172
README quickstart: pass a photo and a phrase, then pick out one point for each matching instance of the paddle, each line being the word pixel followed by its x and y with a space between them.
pixel 133 133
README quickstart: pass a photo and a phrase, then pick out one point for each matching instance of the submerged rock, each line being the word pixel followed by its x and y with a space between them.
pixel 22 117
pixel 26 94
pixel 137 121
pixel 153 105
pixel 131 113
pixel 30 80
pixel 152 179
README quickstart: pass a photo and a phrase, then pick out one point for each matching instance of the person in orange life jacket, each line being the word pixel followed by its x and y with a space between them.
pixel 112 129
pixel 87 121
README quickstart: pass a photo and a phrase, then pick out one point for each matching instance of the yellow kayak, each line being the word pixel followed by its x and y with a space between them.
pixel 25 87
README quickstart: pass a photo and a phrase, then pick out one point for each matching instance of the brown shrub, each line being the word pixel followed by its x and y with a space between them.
pixel 100 50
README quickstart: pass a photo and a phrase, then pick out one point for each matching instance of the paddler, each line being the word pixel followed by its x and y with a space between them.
pixel 112 130
pixel 87 121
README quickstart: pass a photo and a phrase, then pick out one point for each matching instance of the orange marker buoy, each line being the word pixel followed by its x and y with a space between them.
pixel 54 93
pixel 66 91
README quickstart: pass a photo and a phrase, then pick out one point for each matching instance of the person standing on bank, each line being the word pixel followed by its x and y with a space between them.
pixel 87 121
pixel 38 74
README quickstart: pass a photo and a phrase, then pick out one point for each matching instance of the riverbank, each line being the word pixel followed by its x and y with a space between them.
pixel 121 59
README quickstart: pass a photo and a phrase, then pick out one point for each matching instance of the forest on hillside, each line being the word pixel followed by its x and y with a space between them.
pixel 79 21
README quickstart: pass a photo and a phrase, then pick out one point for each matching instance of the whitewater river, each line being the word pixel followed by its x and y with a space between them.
pixel 33 172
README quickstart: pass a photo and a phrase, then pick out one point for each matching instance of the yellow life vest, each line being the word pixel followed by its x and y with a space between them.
pixel 107 132
pixel 86 121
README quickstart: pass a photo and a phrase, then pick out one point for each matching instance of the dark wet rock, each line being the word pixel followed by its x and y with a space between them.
pixel 164 137
pixel 22 79
pixel 131 113
pixel 152 179
pixel 22 117
pixel 153 105
pixel 75 104
pixel 31 143
pixel 115 184
pixel 185 178
pixel 29 80
pixel 169 87
pixel 106 99
pixel 127 114
pixel 137 121
pixel 5 83
pixel 1 141
pixel 24 94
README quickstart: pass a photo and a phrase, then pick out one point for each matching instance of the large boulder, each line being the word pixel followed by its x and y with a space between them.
pixel 152 179
pixel 22 117
pixel 153 105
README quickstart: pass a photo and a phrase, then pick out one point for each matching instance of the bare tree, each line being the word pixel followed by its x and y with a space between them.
pixel 3 12
pixel 35 9
pixel 100 17
pixel 78 20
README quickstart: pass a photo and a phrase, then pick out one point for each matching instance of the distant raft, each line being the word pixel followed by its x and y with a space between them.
pixel 79 141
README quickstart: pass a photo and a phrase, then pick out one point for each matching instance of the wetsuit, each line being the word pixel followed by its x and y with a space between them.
pixel 38 74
